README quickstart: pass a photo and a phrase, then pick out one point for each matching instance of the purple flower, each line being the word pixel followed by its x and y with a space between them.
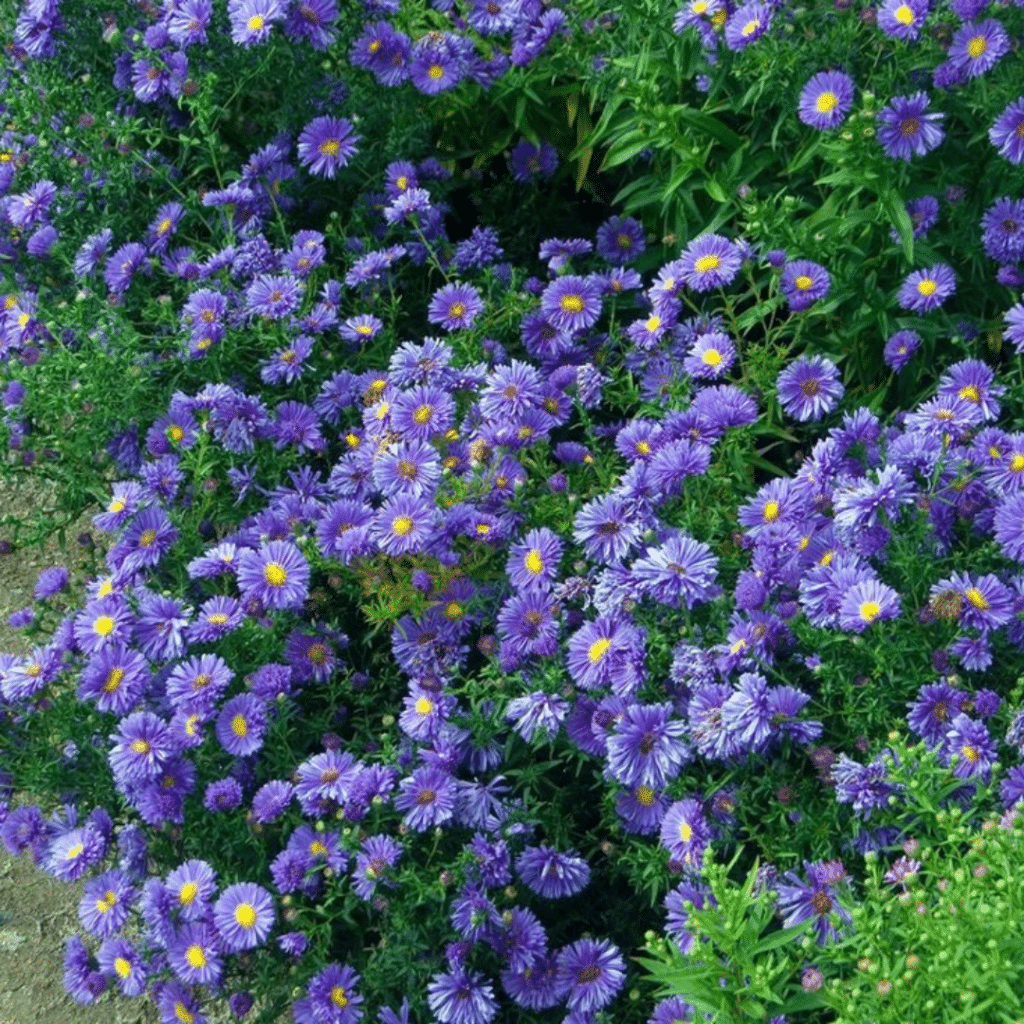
pixel 746 24
pixel 620 240
pixel 427 797
pixel 593 972
pixel 537 713
pixel 243 916
pixel 551 873
pixel 1007 132
pixel 970 743
pixel 528 162
pixel 240 725
pixel 801 901
pixel 123 265
pixel 326 144
pixel 461 997
pixel 902 19
pixel 330 998
pixel 434 67
pixel 681 572
pixel 803 282
pixel 899 348
pixel 976 48
pixel 710 261
pixel 277 575
pixel 931 714
pixel 648 746
pixel 684 832
pixel 195 955
pixel 925 290
pixel 106 903
pixel 906 128
pixel 533 562
pixel 571 303
pixel 923 213
pixel 809 388
pixel 867 602
pixel 608 528
pixel 710 356
pixel 825 100
pixel 1003 230
pixel 274 296
pixel 455 306
pixel 252 20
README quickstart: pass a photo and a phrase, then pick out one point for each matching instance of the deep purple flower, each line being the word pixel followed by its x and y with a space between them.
pixel 434 67
pixel 528 162
pixel 331 997
pixel 243 916
pixel 123 265
pixel 428 798
pixel 593 972
pixel 906 128
pixel 710 261
pixel 277 575
pixel 809 388
pixel 899 348
pixel 934 709
pixel 970 743
pixel 825 100
pixel 648 746
pixel 455 306
pixel 1002 228
pixel 977 47
pixel 681 572
pixel 746 24
pixel 902 19
pixel 868 602
pixel 608 528
pixel 572 303
pixel 803 282
pixel 818 899
pixel 620 240
pixel 684 832
pixel 461 997
pixel 551 873
pixel 253 20
pixel 327 144
pixel 1007 132
pixel 240 725
pixel 195 955
pixel 925 290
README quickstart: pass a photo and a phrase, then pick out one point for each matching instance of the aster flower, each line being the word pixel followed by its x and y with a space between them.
pixel 620 240
pixel 710 261
pixel 825 100
pixel 551 873
pixel 907 128
pixel 608 650
pixel 868 602
pixel 809 388
pixel 925 290
pixel 277 575
pixel 114 678
pixel 253 20
pixel 533 562
pixel 593 972
pixel 274 296
pixel 931 714
pixel 803 282
pixel 243 916
pixel 404 523
pixel 428 798
pixel 902 19
pixel 1003 229
pixel 969 741
pixel 537 713
pixel 195 955
pixel 331 997
pixel 461 997
pixel 817 898
pixel 572 303
pixel 528 162
pixel 608 528
pixel 1007 132
pixel 327 144
pixel 455 306
pixel 710 356
pixel 648 746
pixel 747 24
pixel 240 725
pixel 680 572
pixel 977 47
pixel 684 831
pixel 899 348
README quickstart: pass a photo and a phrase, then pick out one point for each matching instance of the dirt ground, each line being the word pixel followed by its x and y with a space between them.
pixel 37 911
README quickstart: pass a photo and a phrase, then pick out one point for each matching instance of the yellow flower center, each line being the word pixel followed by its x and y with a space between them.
pixel 685 831
pixel 977 598
pixel 707 263
pixel 927 286
pixel 435 71
pixel 870 610
pixel 275 575
pixel 422 414
pixel 113 680
pixel 424 705
pixel 402 525
pixel 970 753
pixel 904 15
pixel 165 226
pixel 183 1013
pixel 103 626
pixel 140 747
pixel 770 512
pixel 339 997
pixel 827 102
pixel 457 309
pixel 317 849
pixel 598 649
pixel 330 147
pixel 712 357
pixel 195 957
pixel 803 282
pixel 122 967
pixel 751 27
pixel 187 893
pixel 239 726
pixel 976 47
pixel 644 796
pixel 970 393
pixel 75 852
pixel 245 915
pixel 255 23
pixel 533 562
pixel 147 539
pixel 653 323
pixel 571 303
pixel 1017 464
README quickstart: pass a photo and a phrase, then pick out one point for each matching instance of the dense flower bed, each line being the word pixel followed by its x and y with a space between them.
pixel 494 583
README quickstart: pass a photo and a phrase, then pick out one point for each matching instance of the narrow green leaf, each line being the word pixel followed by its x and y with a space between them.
pixel 715 190
pixel 708 125
pixel 896 210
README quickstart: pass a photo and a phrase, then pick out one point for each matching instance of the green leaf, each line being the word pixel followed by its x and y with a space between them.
pixel 708 125
pixel 625 148
pixel 781 938
pixel 715 190
pixel 802 1001
pixel 896 210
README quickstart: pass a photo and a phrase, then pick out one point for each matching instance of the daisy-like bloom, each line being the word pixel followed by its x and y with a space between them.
pixel 868 602
pixel 528 162
pixel 195 955
pixel 536 714
pixel 427 797
pixel 681 572
pixel 818 898
pixel 408 467
pixel 803 282
pixel 907 128
pixel 106 903
pixel 327 144
pixel 899 348
pixel 1007 132
pixel 277 575
pixel 285 366
pixel 572 303
pixel 114 678
pixel 123 266
pixel 608 528
pixel 746 24
pixel 274 296
pixel 1014 332
pixel 925 290
pixel 640 809
pixel 593 972
pixel 608 650
pixel 931 714
pixel 710 356
pixel 404 523
pixel 710 261
pixel 434 67
pixel 983 603
pixel 924 213
pixel 684 831
pixel 461 997
pixel 533 562
pixel 198 683
pixel 120 959
pixel 455 306
pixel 361 328
pixel 527 625
pixel 825 100
pixel 243 916
pixel 975 751
pixel 377 855
pixel 240 725
pixel 976 48
pixel 1003 230
pixel 188 22
pixel 1008 526
pixel 331 998
pixel 973 381
pixel 902 19
pixel 551 873
pixel 648 746
pixel 252 20
pixel 620 240
pixel 141 747
pixel 809 388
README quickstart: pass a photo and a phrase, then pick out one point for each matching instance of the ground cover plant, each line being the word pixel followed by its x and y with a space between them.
pixel 560 507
